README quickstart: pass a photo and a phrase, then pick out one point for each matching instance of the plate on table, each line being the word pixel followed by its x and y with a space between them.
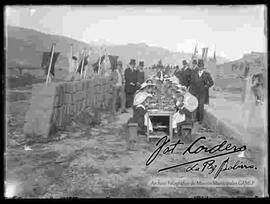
pixel 154 110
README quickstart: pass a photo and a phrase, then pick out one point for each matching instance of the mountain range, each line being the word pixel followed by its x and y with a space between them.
pixel 25 46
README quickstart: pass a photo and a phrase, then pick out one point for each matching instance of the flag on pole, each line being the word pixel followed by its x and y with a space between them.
pixel 265 21
pixel 84 64
pixel 46 61
pixel 204 53
pixel 195 52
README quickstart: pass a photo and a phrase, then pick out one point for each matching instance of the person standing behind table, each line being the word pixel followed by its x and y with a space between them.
pixel 122 93
pixel 186 74
pixel 160 73
pixel 200 83
pixel 130 82
pixel 140 74
pixel 114 80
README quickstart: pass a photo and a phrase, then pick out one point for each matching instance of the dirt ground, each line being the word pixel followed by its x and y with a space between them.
pixel 97 163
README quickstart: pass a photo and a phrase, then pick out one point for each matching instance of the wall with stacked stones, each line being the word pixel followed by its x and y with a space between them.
pixel 53 106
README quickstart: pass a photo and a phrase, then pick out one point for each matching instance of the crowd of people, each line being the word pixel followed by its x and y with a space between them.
pixel 135 91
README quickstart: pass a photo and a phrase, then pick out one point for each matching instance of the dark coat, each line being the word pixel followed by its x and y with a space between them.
pixel 199 86
pixel 138 117
pixel 140 77
pixel 130 76
pixel 186 76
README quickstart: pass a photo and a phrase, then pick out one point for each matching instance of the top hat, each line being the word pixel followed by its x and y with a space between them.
pixel 184 62
pixel 119 63
pixel 200 63
pixel 132 61
pixel 141 63
pixel 194 61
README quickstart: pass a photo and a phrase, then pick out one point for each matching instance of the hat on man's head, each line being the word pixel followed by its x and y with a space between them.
pixel 184 62
pixel 141 63
pixel 132 61
pixel 200 63
pixel 194 61
pixel 119 63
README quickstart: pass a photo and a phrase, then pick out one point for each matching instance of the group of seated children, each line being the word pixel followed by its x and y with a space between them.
pixel 141 101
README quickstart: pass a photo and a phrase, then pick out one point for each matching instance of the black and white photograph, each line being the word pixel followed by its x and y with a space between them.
pixel 135 101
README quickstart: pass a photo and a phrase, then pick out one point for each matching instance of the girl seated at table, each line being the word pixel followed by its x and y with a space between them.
pixel 179 116
pixel 140 110
pixel 145 88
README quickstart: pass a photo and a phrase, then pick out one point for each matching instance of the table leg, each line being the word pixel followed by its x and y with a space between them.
pixel 147 127
pixel 171 129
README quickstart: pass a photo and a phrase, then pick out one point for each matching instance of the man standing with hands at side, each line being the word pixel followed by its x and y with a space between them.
pixel 140 74
pixel 130 82
pixel 200 83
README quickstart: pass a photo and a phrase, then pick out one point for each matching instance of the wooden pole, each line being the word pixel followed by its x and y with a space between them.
pixel 71 60
pixel 77 66
pixel 50 65
pixel 99 60
pixel 83 61
pixel 86 67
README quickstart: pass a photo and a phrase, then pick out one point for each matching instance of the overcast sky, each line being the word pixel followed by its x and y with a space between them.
pixel 234 30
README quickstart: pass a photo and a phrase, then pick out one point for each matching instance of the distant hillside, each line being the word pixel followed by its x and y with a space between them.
pixel 25 47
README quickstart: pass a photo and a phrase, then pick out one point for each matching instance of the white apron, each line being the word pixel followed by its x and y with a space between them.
pixel 178 118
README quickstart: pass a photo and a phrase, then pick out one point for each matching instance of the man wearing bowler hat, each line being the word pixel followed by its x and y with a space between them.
pixel 130 82
pixel 200 83
pixel 140 74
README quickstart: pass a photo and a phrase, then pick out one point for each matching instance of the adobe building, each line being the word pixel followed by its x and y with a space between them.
pixel 235 68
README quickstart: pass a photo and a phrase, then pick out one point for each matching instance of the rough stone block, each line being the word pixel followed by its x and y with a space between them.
pixel 80 86
pixel 75 97
pixel 83 85
pixel 61 115
pixel 69 88
pixel 56 101
pixel 77 86
pixel 68 98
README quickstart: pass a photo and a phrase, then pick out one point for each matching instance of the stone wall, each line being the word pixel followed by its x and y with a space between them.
pixel 53 106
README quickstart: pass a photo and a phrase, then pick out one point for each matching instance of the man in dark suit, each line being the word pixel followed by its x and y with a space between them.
pixel 130 82
pixel 186 74
pixel 140 74
pixel 200 83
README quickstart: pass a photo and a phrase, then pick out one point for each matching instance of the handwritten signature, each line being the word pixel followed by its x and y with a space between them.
pixel 209 163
